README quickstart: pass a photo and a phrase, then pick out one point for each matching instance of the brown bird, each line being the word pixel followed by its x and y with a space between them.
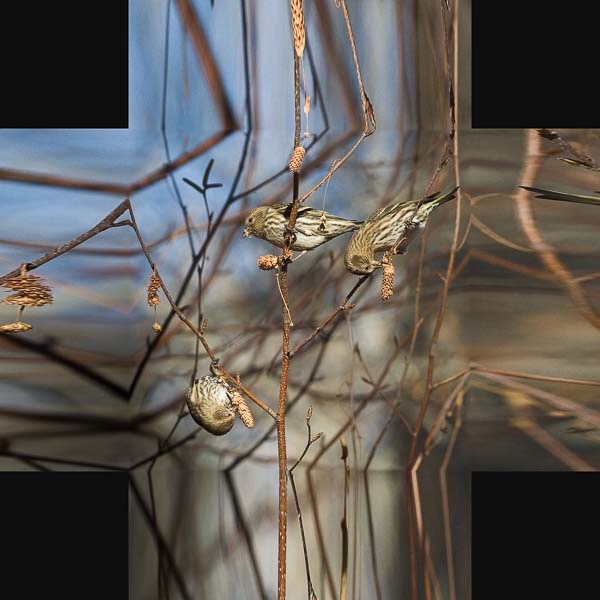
pixel 209 403
pixel 313 227
pixel 385 226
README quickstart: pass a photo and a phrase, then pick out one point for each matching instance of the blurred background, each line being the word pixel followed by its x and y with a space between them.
pixel 484 359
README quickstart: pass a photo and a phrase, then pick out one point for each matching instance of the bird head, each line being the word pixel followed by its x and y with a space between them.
pixel 255 222
pixel 360 264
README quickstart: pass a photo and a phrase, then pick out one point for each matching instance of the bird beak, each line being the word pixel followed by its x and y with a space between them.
pixel 246 233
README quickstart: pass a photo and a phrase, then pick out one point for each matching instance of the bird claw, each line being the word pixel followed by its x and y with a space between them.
pixel 290 231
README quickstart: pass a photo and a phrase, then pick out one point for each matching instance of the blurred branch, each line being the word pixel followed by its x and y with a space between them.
pixel 344 523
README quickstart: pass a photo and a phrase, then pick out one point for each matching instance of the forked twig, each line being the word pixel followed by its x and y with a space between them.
pixel 310 439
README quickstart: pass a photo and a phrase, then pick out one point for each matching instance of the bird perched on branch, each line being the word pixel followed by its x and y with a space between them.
pixel 551 195
pixel 388 225
pixel 313 227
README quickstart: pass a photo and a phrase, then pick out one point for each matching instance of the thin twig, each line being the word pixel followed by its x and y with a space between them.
pixel 368 113
pixel 310 439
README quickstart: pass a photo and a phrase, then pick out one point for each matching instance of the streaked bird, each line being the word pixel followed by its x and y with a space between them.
pixel 209 403
pixel 313 227
pixel 552 195
pixel 385 226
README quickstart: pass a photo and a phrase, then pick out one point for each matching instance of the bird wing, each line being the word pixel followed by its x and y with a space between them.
pixel 387 210
pixel 552 195
pixel 381 212
pixel 286 209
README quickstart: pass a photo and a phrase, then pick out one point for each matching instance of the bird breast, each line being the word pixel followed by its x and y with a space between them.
pixel 209 403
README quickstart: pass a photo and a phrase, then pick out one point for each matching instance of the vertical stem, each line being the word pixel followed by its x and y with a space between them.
pixel 285 360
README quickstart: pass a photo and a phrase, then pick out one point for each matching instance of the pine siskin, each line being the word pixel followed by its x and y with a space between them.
pixel 313 227
pixel 550 195
pixel 209 402
pixel 385 226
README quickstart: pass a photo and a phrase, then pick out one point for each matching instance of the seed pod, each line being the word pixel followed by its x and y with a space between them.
pixel 209 403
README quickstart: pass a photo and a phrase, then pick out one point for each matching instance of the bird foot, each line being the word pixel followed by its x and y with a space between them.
pixel 290 233
pixel 287 256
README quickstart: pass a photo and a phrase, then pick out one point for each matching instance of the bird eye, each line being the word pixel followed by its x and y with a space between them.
pixel 250 219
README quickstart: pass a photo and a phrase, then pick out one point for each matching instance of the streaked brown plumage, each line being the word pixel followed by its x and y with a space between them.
pixel 209 403
pixel 385 226
pixel 313 227
pixel 551 195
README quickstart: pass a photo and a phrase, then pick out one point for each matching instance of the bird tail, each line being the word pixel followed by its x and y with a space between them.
pixel 438 198
pixel 552 195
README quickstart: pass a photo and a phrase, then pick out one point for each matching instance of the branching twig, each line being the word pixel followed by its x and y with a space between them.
pixel 368 113
pixel 310 439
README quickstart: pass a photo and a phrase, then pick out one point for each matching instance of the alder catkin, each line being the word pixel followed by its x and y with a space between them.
pixel 297 158
pixel 16 327
pixel 387 281
pixel 153 299
pixel 267 262
pixel 298 26
pixel 238 402
pixel 30 290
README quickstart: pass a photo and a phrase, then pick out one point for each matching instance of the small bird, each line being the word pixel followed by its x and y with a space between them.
pixel 551 195
pixel 313 227
pixel 385 226
pixel 209 403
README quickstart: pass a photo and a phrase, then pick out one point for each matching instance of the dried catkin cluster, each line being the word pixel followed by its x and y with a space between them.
pixel 30 290
pixel 298 26
pixel 387 280
pixel 16 327
pixel 297 158
pixel 267 262
pixel 239 404
pixel 153 287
